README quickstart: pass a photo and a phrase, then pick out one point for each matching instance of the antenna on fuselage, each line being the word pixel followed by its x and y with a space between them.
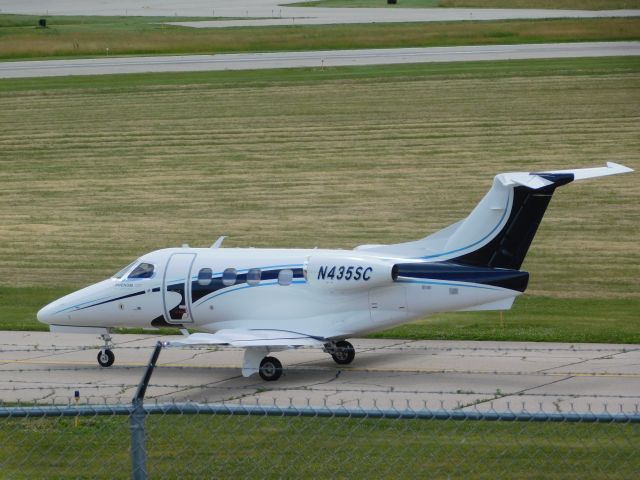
pixel 218 242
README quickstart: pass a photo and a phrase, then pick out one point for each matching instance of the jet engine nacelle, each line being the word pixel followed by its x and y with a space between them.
pixel 348 273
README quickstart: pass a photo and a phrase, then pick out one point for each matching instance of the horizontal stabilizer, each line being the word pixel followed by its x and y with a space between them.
pixel 584 173
pixel 544 179
pixel 249 338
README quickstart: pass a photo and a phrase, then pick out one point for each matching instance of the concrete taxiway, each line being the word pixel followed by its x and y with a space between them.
pixel 49 368
pixel 313 59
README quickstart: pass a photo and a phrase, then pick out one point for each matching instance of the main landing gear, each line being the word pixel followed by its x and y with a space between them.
pixel 105 355
pixel 342 352
pixel 270 368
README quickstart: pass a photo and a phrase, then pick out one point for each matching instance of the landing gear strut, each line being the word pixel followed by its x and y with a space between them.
pixel 105 355
pixel 342 352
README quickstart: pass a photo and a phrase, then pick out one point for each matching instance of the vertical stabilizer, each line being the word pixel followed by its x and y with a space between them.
pixel 500 229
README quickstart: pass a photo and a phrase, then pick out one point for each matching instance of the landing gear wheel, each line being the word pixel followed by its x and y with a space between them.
pixel 106 358
pixel 270 369
pixel 344 353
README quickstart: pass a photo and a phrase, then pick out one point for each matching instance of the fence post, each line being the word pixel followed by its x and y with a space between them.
pixel 136 422
pixel 138 447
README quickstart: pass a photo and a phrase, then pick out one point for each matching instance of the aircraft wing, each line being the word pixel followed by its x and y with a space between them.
pixel 250 338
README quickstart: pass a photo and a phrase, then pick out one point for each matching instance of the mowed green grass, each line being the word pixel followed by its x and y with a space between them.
pixel 534 319
pixel 287 447
pixel 91 36
pixel 98 170
pixel 547 4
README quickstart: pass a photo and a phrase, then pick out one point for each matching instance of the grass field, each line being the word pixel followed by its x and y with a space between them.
pixel 547 4
pixel 91 36
pixel 273 447
pixel 98 170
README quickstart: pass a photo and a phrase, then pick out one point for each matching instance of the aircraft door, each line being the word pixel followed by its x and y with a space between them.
pixel 176 287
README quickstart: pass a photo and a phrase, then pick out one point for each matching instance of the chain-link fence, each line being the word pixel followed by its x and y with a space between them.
pixel 187 440
pixel 236 439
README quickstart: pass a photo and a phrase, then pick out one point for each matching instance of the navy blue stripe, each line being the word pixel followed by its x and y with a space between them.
pixel 497 277
pixel 114 300
pixel 199 291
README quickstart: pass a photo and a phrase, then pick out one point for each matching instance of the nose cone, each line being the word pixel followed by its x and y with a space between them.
pixel 47 313
pixel 73 309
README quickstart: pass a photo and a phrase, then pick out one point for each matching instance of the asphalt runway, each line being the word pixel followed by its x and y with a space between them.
pixel 501 376
pixel 313 59
pixel 276 12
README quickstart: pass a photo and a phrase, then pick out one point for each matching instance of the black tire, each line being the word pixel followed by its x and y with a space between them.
pixel 106 358
pixel 270 369
pixel 344 353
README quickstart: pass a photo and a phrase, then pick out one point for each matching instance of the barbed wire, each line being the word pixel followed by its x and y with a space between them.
pixel 352 406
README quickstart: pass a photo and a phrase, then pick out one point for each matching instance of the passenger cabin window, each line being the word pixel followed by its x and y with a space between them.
pixel 229 277
pixel 253 276
pixel 285 277
pixel 144 270
pixel 205 275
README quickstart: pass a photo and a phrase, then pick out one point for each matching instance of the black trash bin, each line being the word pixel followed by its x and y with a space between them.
pixel 42 23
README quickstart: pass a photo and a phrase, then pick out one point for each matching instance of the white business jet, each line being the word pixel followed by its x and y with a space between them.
pixel 268 300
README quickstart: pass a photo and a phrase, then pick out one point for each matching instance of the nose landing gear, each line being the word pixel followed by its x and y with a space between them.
pixel 106 358
pixel 105 355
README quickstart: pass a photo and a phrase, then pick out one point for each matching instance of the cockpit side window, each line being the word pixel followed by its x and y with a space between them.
pixel 144 270
pixel 124 271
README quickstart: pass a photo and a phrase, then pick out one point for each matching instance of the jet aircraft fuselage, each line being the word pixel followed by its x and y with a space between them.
pixel 323 293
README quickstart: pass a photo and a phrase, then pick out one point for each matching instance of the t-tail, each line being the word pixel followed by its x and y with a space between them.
pixel 500 229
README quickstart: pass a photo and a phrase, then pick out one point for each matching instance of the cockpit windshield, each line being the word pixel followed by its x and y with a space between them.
pixel 144 270
pixel 124 271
